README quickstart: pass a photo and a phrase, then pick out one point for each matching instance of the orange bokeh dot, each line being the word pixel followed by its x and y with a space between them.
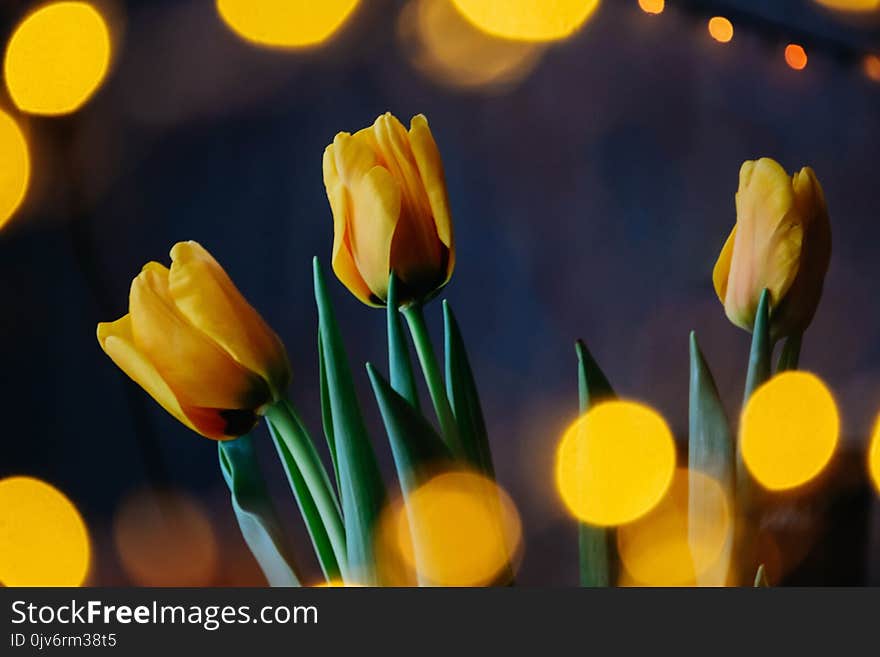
pixel 652 6
pixel 871 66
pixel 796 56
pixel 721 29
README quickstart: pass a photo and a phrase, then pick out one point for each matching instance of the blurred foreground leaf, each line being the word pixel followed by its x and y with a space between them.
pixel 255 512
pixel 761 580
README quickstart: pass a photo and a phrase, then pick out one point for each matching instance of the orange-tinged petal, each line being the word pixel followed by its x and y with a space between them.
pixel 196 368
pixel 375 211
pixel 722 267
pixel 117 342
pixel 206 296
pixel 342 259
pixel 353 157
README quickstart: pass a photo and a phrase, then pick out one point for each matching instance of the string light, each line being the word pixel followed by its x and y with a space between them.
pixel 721 29
pixel 796 56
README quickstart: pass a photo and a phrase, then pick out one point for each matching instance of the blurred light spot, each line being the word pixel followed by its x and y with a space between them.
pixel 796 56
pixel 721 29
pixel 15 167
pixel 285 23
pixel 789 430
pixel 337 584
pixel 450 50
pixel 528 20
pixel 663 549
pixel 165 539
pixel 43 539
pixel 615 463
pixel 850 5
pixel 652 6
pixel 871 66
pixel 57 58
pixel 458 529
pixel 874 456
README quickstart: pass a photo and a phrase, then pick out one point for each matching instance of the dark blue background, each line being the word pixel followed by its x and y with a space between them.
pixel 590 201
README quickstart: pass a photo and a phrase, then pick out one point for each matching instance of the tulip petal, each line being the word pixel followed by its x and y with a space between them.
pixel 376 209
pixel 342 260
pixel 768 241
pixel 117 341
pixel 196 368
pixel 721 273
pixel 206 296
pixel 430 166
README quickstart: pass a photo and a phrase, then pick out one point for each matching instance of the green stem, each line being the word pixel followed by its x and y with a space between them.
pixel 399 366
pixel 431 369
pixel 297 441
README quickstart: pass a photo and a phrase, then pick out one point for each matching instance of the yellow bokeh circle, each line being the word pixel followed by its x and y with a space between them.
pixel 789 430
pixel 458 529
pixel 668 547
pixel 43 539
pixel 57 58
pixel 615 463
pixel 285 23
pixel 528 20
pixel 15 167
pixel 874 456
pixel 851 5
pixel 721 29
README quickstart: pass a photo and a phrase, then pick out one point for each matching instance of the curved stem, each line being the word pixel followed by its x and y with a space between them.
pixel 431 369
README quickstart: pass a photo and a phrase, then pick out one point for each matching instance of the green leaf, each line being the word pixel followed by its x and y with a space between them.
pixel 360 483
pixel 257 517
pixel 464 397
pixel 417 448
pixel 433 379
pixel 791 352
pixel 596 549
pixel 761 580
pixel 761 350
pixel 326 411
pixel 321 516
pixel 747 512
pixel 710 451
pixel 399 364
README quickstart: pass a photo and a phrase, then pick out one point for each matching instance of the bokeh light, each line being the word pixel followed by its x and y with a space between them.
pixel 796 56
pixel 164 538
pixel 451 51
pixel 652 6
pixel 15 167
pixel 850 5
pixel 871 67
pixel 528 20
pixel 43 539
pixel 57 58
pixel 663 548
pixel 789 430
pixel 285 23
pixel 721 29
pixel 615 463
pixel 874 456
pixel 458 529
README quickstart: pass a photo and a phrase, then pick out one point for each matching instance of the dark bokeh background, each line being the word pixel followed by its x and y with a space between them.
pixel 590 200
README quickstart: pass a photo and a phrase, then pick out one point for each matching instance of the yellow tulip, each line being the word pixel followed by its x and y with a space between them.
pixel 387 192
pixel 781 242
pixel 192 341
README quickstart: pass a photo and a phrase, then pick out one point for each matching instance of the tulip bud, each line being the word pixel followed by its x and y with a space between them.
pixel 387 192
pixel 781 242
pixel 193 342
